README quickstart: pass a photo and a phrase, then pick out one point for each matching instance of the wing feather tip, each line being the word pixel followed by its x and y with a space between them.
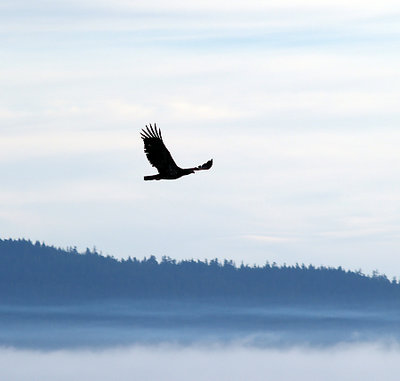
pixel 151 132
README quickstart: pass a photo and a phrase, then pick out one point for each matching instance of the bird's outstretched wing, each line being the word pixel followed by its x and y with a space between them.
pixel 155 150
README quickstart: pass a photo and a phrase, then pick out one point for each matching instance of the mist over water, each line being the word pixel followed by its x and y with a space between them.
pixel 212 362
pixel 194 341
pixel 112 325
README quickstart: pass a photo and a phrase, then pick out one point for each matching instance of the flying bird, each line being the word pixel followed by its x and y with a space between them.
pixel 159 157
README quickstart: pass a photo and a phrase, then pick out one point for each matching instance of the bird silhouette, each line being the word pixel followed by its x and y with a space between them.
pixel 160 158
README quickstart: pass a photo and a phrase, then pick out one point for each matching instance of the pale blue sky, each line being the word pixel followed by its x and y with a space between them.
pixel 296 101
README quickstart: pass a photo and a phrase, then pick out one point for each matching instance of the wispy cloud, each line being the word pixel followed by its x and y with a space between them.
pixel 46 143
pixel 393 231
pixel 268 239
pixel 72 193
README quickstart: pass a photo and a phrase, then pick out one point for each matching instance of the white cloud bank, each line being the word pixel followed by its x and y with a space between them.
pixel 169 363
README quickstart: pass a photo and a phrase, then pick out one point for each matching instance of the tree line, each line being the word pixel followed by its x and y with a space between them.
pixel 35 272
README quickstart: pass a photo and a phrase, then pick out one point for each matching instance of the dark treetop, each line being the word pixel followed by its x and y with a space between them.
pixel 34 272
pixel 159 157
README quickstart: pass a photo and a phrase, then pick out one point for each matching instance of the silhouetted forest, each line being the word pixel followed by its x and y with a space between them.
pixel 34 272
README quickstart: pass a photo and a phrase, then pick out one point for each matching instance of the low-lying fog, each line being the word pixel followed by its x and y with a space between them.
pixel 186 341
pixel 105 326
pixel 211 363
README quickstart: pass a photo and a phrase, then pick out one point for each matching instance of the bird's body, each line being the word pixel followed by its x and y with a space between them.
pixel 160 158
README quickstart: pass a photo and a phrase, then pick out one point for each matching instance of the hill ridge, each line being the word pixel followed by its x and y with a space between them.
pixel 35 272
